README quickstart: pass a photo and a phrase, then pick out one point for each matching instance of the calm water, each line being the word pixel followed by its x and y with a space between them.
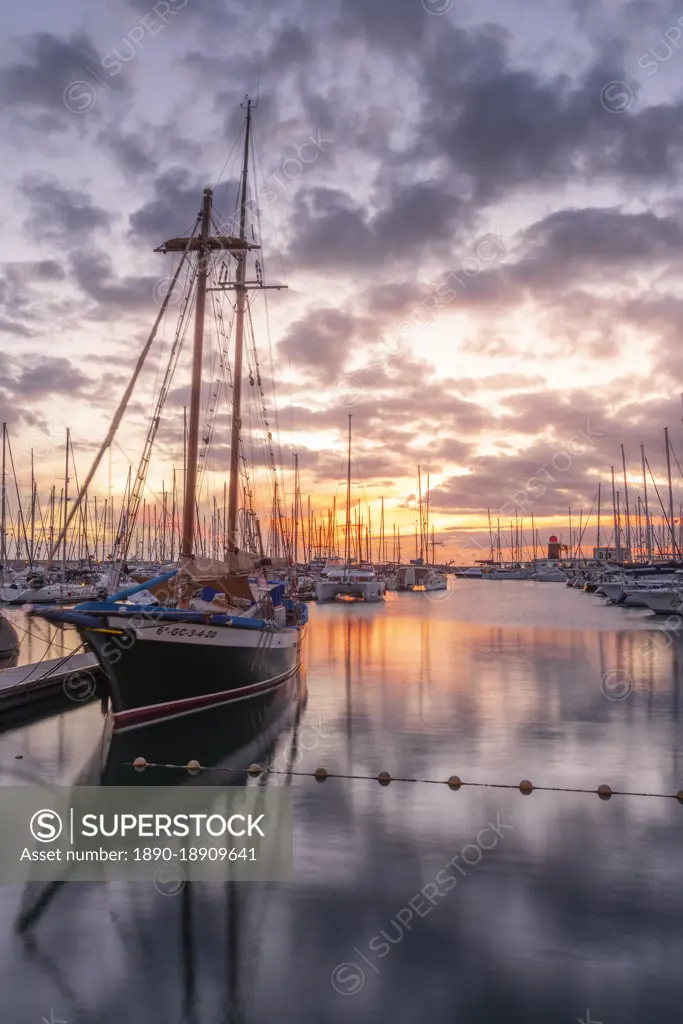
pixel 568 910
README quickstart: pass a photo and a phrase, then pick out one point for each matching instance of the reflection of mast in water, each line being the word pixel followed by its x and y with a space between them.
pixel 242 735
pixel 232 973
pixel 676 686
pixel 347 673
pixel 187 952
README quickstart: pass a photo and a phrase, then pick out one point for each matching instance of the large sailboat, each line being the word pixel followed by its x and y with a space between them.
pixel 218 630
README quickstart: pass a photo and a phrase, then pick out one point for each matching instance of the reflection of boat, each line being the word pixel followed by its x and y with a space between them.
pixel 227 737
pixel 9 642
pixel 230 737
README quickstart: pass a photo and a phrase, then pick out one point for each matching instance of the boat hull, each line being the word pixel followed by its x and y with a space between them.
pixel 365 590
pixel 172 670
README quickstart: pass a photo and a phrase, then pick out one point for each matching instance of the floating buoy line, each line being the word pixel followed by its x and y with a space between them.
pixel 453 782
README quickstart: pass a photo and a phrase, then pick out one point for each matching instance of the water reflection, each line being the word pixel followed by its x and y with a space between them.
pixel 39 640
pixel 575 907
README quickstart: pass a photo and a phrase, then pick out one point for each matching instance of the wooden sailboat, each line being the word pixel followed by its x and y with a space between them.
pixel 216 634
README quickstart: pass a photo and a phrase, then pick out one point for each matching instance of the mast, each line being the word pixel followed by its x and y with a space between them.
pixel 672 526
pixel 571 541
pixel 382 544
pixel 241 296
pixel 628 514
pixel 33 513
pixel 196 391
pixel 617 537
pixel 296 508
pixel 66 499
pixel 427 523
pixel 347 552
pixel 597 543
pixel 3 525
pixel 648 533
pixel 419 493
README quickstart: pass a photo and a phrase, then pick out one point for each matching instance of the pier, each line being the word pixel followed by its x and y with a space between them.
pixel 74 676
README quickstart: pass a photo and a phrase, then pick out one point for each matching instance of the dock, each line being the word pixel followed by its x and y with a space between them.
pixel 74 677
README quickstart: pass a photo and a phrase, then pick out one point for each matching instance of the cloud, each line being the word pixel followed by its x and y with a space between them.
pixel 36 81
pixel 61 213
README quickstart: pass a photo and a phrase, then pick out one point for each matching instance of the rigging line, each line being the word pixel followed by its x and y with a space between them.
pixel 61 663
pixel 135 497
pixel 161 352
pixel 20 511
pixel 238 138
pixel 123 404
pixel 676 458
pixel 260 401
pixel 37 636
pixel 84 523
pixel 256 155
pixel 223 385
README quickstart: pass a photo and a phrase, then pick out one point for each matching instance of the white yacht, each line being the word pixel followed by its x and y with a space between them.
pixel 664 601
pixel 508 572
pixel 418 577
pixel 634 592
pixel 551 574
pixel 352 582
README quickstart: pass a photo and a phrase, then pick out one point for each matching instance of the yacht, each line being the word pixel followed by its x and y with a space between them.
pixel 508 572
pixel 664 600
pixel 551 574
pixel 353 582
pixel 418 577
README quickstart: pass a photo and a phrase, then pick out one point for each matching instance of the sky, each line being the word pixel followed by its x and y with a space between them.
pixel 475 207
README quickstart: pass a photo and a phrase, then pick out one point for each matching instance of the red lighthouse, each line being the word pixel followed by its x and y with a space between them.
pixel 553 547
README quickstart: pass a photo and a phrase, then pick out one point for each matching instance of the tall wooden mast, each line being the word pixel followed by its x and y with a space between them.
pixel 348 504
pixel 3 523
pixel 241 296
pixel 196 391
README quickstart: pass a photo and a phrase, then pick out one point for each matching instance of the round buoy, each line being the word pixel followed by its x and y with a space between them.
pixel 679 796
pixel 139 764
pixel 193 767
pixel 254 769
pixel 320 774
pixel 525 786
pixel 604 791
pixel 454 782
pixel 384 778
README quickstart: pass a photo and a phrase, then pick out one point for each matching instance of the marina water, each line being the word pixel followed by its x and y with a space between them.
pixel 409 901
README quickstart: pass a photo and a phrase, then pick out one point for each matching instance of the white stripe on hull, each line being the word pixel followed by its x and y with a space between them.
pixel 214 636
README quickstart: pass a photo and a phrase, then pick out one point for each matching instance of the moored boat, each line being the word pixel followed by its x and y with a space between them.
pixel 218 630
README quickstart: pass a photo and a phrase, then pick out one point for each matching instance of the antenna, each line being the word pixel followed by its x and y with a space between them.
pixel 248 102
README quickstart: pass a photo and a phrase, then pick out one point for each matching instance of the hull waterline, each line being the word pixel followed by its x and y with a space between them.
pixel 168 671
